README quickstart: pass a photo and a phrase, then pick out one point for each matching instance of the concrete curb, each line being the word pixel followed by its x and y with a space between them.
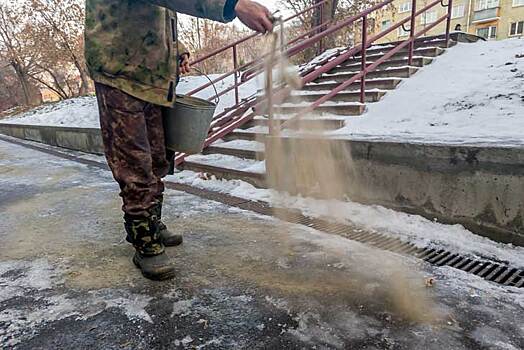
pixel 481 188
pixel 87 140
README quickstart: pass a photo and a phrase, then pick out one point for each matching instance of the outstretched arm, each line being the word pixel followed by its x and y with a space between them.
pixel 252 14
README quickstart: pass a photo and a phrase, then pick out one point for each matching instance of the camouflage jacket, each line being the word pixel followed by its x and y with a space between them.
pixel 130 44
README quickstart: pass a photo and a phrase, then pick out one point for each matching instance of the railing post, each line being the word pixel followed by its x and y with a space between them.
pixel 413 24
pixel 448 21
pixel 235 67
pixel 363 55
pixel 321 28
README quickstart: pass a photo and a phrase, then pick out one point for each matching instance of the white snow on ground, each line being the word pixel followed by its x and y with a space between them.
pixel 416 229
pixel 228 161
pixel 474 93
pixel 83 111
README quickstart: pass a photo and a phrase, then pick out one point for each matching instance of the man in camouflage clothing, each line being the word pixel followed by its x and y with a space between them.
pixel 131 53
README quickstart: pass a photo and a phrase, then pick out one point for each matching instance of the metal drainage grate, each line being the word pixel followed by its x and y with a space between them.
pixel 497 272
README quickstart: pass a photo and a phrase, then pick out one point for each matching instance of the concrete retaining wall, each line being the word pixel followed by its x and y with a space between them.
pixel 80 139
pixel 481 188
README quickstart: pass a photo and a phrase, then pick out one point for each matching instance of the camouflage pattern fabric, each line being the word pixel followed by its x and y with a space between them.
pixel 131 44
pixel 133 136
pixel 144 234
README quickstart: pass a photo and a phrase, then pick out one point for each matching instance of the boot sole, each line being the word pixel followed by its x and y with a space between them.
pixel 155 277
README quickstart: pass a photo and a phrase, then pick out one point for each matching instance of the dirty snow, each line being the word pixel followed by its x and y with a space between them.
pixel 417 229
pixel 471 94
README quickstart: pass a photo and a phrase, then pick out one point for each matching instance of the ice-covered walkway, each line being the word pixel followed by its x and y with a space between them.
pixel 244 281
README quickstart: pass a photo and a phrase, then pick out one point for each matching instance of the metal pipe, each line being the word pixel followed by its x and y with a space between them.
pixel 412 31
pixel 363 59
pixel 448 21
pixel 235 67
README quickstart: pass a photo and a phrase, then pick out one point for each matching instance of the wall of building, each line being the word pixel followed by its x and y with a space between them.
pixel 505 14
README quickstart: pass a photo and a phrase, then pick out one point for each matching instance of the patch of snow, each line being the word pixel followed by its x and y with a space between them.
pixel 242 144
pixel 224 160
pixel 471 94
pixel 83 111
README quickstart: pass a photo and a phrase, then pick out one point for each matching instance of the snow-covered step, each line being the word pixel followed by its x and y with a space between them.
pixel 400 62
pixel 333 107
pixel 256 133
pixel 400 72
pixel 318 123
pixel 419 44
pixel 228 167
pixel 345 96
pixel 424 52
pixel 379 83
pixel 239 148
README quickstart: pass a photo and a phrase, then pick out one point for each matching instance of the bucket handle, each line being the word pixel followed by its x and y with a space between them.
pixel 217 98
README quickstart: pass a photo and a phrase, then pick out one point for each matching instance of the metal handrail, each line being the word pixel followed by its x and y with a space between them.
pixel 369 68
pixel 234 117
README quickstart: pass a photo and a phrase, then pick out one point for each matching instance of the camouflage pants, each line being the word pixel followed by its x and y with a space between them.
pixel 133 135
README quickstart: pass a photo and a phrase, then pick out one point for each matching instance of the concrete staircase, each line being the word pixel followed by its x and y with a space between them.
pixel 240 154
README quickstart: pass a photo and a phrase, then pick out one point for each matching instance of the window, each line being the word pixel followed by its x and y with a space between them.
pixel 518 3
pixel 486 4
pixel 385 25
pixel 402 32
pixel 516 28
pixel 487 32
pixel 458 11
pixel 428 17
pixel 404 7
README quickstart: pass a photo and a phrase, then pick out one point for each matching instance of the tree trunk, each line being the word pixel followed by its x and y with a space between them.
pixel 324 14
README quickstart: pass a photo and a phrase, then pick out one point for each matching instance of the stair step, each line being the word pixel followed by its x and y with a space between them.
pixel 424 52
pixel 345 96
pixel 382 84
pixel 241 153
pixel 310 124
pixel 419 44
pixel 256 179
pixel 400 62
pixel 226 167
pixel 400 72
pixel 238 148
pixel 246 135
pixel 349 109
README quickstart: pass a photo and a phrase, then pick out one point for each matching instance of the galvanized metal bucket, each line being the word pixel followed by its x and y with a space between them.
pixel 186 125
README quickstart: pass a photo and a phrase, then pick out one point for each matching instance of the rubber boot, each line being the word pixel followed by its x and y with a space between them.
pixel 150 256
pixel 168 237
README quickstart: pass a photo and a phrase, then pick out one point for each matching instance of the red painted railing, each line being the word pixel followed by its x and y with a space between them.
pixel 235 116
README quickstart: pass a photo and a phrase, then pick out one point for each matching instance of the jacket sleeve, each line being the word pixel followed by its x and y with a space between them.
pixel 216 10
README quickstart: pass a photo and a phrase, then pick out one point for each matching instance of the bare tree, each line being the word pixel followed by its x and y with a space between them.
pixel 64 20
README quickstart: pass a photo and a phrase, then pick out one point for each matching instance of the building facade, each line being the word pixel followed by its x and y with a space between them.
pixel 491 19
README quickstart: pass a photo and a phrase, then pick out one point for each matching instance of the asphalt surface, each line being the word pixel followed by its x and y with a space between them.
pixel 244 281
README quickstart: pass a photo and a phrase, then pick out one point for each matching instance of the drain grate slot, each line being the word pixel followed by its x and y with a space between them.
pixel 505 276
pixel 443 261
pixel 495 273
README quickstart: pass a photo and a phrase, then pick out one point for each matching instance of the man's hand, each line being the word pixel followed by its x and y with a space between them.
pixel 254 15
pixel 184 64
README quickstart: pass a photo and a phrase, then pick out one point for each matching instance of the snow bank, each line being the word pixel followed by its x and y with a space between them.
pixel 471 94
pixel 417 229
pixel 83 111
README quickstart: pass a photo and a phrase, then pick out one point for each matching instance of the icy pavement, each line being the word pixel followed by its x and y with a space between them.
pixel 244 281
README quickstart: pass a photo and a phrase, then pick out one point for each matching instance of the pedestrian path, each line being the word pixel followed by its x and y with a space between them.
pixel 244 281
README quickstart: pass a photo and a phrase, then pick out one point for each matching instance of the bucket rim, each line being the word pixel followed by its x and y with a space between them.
pixel 194 102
